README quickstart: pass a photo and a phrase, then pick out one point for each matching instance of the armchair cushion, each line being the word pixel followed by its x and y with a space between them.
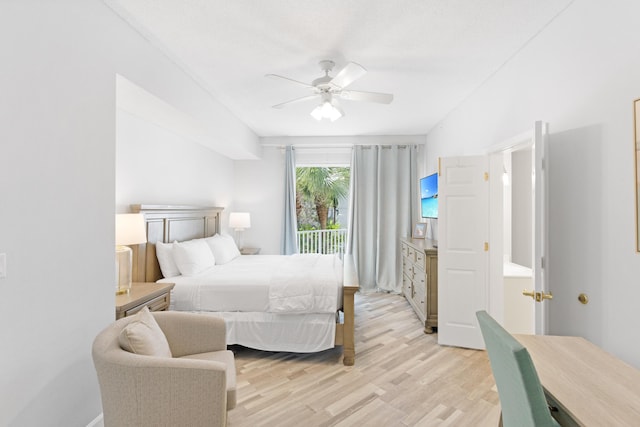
pixel 144 336
pixel 190 333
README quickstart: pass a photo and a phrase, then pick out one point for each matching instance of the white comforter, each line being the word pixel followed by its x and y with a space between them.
pixel 308 283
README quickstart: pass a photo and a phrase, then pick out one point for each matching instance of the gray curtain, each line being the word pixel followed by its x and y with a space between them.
pixel 383 206
pixel 289 239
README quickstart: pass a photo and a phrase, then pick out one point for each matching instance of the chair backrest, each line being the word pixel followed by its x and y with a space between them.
pixel 521 395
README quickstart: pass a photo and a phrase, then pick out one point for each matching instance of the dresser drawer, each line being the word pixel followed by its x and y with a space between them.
pixel 419 278
pixel 407 268
pixel 411 254
pixel 419 297
pixel 406 286
pixel 419 259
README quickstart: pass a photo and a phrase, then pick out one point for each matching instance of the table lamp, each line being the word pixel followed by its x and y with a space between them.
pixel 239 221
pixel 130 230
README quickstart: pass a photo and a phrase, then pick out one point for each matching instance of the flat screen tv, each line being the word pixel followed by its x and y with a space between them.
pixel 429 196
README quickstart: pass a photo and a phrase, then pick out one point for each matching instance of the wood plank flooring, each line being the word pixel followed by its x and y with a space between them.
pixel 401 377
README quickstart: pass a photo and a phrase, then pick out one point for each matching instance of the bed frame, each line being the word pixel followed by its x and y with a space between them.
pixel 167 223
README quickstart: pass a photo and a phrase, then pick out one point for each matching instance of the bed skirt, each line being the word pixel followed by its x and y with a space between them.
pixel 298 333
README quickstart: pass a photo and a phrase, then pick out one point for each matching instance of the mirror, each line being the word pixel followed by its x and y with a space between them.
pixel 636 141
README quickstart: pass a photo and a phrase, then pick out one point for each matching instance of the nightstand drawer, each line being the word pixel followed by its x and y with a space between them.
pixel 160 303
pixel 156 296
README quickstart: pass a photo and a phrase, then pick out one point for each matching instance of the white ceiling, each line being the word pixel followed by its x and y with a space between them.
pixel 431 54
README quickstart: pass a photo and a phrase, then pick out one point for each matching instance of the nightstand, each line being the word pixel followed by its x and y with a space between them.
pixel 250 251
pixel 156 296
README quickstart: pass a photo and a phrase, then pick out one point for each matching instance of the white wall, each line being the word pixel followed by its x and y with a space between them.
pixel 57 180
pixel 259 190
pixel 156 166
pixel 580 75
pixel 521 208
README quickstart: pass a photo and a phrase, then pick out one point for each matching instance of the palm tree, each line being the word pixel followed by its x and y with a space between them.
pixel 324 187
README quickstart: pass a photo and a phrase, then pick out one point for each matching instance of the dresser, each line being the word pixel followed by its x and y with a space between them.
pixel 420 279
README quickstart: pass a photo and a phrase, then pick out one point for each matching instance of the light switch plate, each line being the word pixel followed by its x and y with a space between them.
pixel 3 265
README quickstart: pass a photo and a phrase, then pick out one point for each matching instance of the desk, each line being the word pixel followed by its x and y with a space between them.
pixel 589 386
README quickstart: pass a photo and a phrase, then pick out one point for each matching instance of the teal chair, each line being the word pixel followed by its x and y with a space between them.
pixel 521 396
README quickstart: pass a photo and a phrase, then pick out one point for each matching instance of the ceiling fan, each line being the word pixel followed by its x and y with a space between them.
pixel 329 89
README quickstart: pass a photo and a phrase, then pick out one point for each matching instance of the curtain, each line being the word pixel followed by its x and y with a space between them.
pixel 289 239
pixel 382 206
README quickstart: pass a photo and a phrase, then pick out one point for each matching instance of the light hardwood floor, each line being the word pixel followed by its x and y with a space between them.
pixel 401 377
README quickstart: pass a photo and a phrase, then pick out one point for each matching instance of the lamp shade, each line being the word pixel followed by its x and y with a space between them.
pixel 239 220
pixel 130 229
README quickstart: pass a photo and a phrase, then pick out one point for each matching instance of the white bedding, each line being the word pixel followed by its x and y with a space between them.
pixel 269 302
pixel 295 284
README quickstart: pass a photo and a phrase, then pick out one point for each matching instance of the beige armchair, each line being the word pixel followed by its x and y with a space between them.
pixel 195 387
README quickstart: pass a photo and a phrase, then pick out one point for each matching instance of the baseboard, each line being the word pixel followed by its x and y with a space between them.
pixel 97 421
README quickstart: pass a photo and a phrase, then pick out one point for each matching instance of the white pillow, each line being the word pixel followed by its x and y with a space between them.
pixel 193 257
pixel 164 253
pixel 223 247
pixel 144 336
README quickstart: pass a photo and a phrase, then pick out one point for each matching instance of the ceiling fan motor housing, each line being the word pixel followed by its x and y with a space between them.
pixel 322 83
pixel 326 65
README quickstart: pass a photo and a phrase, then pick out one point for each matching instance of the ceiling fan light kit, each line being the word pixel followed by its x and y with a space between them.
pixel 327 109
pixel 328 89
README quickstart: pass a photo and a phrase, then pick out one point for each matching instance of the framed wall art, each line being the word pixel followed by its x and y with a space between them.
pixel 419 230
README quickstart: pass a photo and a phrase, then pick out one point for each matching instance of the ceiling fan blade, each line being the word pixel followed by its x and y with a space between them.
pixel 349 74
pixel 277 77
pixel 356 95
pixel 295 101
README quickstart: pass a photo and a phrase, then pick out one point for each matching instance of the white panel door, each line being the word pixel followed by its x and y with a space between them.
pixel 463 227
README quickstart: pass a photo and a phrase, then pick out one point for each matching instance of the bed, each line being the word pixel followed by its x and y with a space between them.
pixel 252 292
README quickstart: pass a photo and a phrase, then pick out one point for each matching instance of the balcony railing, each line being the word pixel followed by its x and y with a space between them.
pixel 322 241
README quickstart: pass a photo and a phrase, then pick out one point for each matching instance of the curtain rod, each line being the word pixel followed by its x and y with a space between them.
pixel 350 146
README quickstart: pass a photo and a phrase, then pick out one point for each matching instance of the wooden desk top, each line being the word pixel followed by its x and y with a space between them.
pixel 593 386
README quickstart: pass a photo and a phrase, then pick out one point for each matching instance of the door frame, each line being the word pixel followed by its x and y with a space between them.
pixel 535 138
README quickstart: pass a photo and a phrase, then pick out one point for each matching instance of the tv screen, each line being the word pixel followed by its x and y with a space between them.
pixel 429 196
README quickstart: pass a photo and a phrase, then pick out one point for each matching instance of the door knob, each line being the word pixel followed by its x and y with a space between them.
pixel 538 296
pixel 546 296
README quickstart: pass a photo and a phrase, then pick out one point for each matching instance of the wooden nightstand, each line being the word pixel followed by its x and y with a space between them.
pixel 250 251
pixel 156 296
